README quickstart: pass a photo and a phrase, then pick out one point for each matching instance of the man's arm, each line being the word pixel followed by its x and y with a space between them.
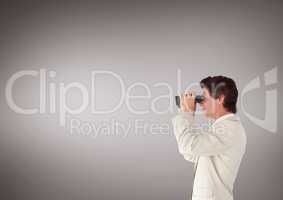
pixel 192 145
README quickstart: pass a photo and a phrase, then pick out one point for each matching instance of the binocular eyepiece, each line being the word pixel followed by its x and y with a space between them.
pixel 198 99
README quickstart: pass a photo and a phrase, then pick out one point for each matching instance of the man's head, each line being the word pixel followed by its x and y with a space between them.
pixel 220 94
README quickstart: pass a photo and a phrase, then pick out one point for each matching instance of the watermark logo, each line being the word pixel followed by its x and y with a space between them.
pixel 53 97
pixel 270 119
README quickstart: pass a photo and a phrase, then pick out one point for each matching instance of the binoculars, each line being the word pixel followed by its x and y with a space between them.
pixel 198 99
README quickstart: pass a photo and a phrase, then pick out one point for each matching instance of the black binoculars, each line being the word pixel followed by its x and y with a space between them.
pixel 198 99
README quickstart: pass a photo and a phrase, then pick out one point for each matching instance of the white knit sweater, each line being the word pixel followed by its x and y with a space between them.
pixel 216 153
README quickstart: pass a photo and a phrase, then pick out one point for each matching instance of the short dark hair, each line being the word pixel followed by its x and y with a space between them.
pixel 221 85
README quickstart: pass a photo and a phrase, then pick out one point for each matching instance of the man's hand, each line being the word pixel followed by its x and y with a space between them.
pixel 188 103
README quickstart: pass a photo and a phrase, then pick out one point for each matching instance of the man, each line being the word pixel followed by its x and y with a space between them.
pixel 216 153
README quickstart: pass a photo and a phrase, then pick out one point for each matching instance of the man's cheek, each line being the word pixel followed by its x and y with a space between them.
pixel 203 107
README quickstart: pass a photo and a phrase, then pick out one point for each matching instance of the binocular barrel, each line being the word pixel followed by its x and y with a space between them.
pixel 198 99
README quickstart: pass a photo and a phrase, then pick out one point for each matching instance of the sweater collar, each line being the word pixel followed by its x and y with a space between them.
pixel 219 119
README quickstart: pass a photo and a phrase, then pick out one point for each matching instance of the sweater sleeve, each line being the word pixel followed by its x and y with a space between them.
pixel 192 144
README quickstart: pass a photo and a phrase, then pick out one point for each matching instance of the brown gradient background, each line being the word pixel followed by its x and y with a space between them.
pixel 141 41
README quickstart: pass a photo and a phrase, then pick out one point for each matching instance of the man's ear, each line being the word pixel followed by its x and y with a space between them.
pixel 221 99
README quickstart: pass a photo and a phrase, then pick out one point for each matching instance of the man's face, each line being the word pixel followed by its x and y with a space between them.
pixel 209 105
